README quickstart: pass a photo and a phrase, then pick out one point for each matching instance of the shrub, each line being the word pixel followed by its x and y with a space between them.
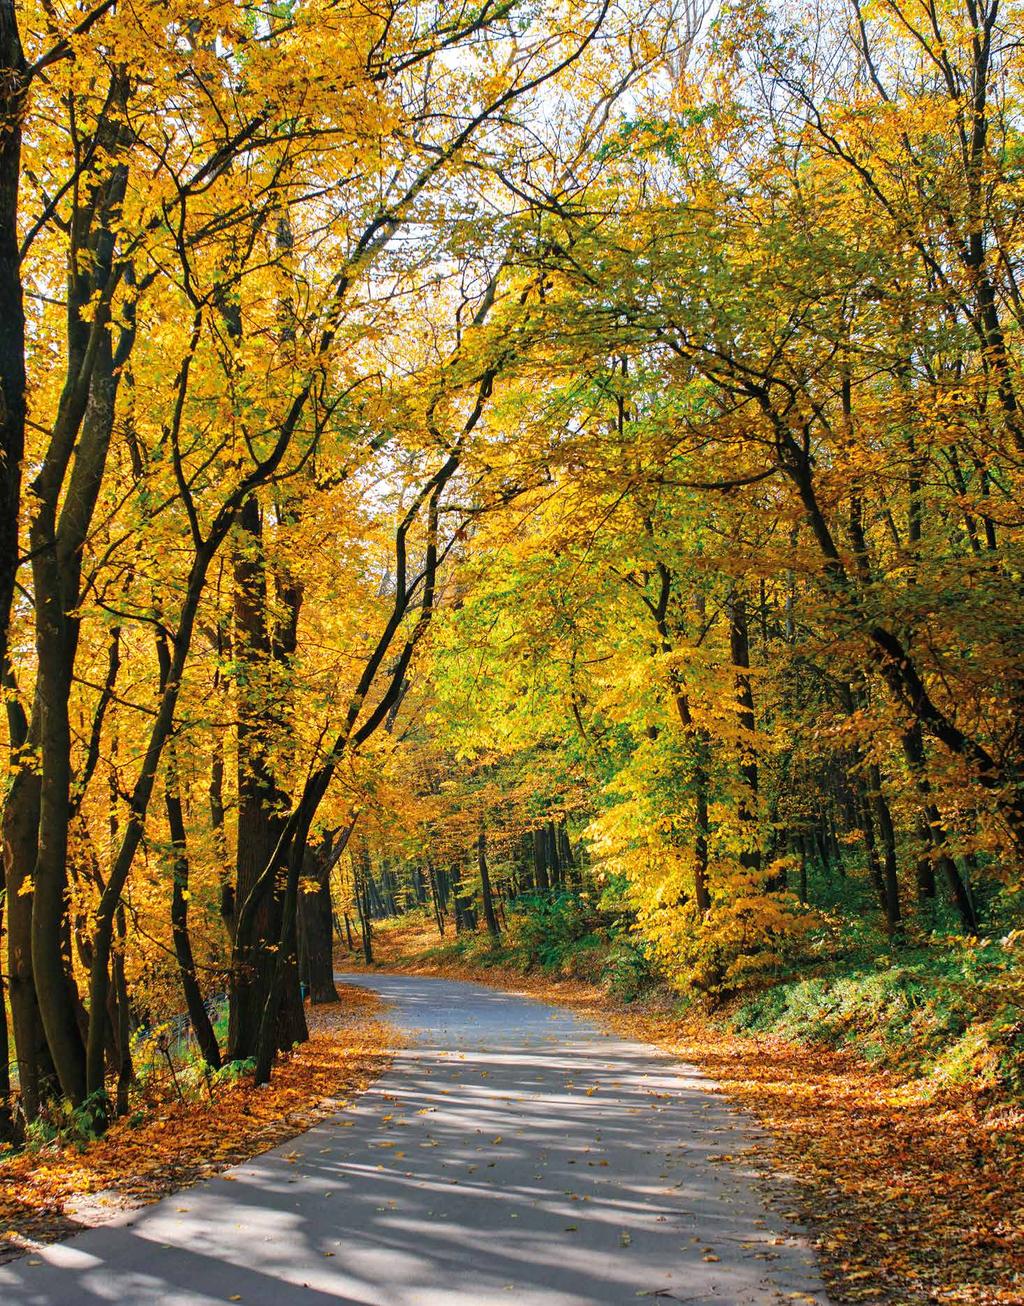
pixel 629 969
pixel 556 931
pixel 749 934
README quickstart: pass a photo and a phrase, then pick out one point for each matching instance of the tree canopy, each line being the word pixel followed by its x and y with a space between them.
pixel 460 457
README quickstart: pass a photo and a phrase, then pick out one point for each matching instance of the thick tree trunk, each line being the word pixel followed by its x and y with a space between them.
pixel 315 930
pixel 553 855
pixel 260 803
pixel 258 832
pixel 285 970
pixel 569 862
pixel 50 964
pixel 36 1074
pixel 7 1130
pixel 316 946
pixel 540 861
pixel 924 870
pixel 123 1031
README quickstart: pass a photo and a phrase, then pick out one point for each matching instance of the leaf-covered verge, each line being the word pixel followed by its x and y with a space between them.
pixel 168 1143
pixel 913 1186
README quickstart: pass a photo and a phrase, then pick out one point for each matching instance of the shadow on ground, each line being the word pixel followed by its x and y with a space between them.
pixel 513 1153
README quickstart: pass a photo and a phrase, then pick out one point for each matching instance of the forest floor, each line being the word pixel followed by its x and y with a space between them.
pixel 914 1196
pixel 167 1143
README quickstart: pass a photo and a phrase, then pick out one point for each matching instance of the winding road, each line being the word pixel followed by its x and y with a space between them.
pixel 513 1154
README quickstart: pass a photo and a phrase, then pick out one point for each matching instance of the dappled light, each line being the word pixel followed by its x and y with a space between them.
pixel 513 1149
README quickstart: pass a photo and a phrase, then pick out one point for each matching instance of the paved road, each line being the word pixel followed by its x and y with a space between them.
pixel 514 1154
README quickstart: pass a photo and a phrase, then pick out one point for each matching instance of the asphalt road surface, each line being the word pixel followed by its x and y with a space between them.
pixel 513 1156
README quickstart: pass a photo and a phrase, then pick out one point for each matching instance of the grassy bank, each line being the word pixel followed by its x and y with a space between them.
pixel 949 1017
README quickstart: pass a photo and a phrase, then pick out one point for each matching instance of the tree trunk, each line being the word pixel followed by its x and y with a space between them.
pixel 260 803
pixel 871 849
pixel 913 745
pixel 360 879
pixel 65 491
pixel 13 89
pixel 701 892
pixel 387 892
pixel 202 1026
pixel 220 843
pixel 50 963
pixel 123 1030
pixel 924 871
pixel 540 861
pixel 485 885
pixel 316 935
pixel 887 835
pixel 739 646
pixel 285 969
pixel 465 913
pixel 435 895
pixel 36 1074
pixel 7 1132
